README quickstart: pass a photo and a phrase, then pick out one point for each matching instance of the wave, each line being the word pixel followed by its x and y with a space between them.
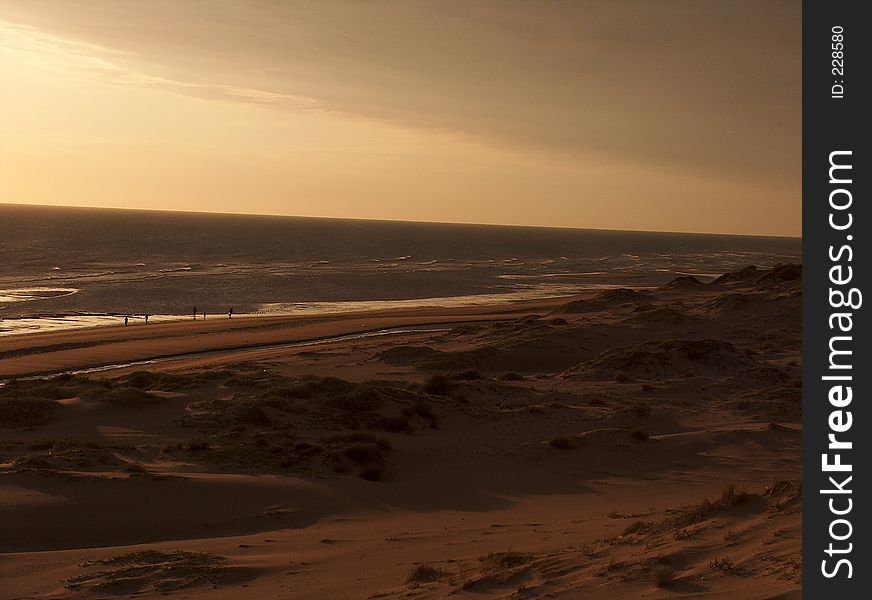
pixel 34 293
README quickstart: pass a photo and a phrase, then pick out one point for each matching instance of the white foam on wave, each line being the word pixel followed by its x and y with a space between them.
pixel 34 293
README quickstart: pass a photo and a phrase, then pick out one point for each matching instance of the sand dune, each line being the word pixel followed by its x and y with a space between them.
pixel 622 445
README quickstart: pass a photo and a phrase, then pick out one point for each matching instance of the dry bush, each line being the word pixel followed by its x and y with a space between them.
pixel 504 561
pixel 733 495
pixel 721 565
pixel 150 571
pixel 437 385
pixel 424 574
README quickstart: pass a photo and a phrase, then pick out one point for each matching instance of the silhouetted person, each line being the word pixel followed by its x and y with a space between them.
pixel 204 315
pixel 195 313
pixel 125 321
pixel 146 319
pixel 230 314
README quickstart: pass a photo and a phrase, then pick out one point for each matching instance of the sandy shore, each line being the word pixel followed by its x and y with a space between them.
pixel 44 353
pixel 624 445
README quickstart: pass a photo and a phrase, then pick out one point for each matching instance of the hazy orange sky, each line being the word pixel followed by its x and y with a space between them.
pixel 651 115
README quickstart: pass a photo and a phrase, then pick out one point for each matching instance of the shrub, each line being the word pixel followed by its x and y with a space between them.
pixel 437 385
pixel 721 565
pixel 250 414
pixel 423 574
pixel 733 495
pixel 24 412
pixel 502 561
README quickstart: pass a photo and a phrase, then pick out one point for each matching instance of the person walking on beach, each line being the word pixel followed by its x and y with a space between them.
pixel 230 314
pixel 195 313
pixel 146 319
pixel 204 315
pixel 125 321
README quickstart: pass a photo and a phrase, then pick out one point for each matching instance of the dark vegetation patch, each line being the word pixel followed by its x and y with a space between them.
pixel 638 527
pixel 423 574
pixel 769 402
pixel 743 275
pixel 466 375
pixel 437 385
pixel 151 571
pixel 25 411
pixel 30 403
pixel 732 495
pixel 155 380
pixel 498 568
pixel 429 359
pixel 66 454
pixel 783 272
pixel 667 359
pixel 603 300
pixel 785 495
pixel 287 428
pixel 684 282
pixel 123 396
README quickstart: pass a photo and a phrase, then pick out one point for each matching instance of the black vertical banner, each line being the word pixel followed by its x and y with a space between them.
pixel 837 362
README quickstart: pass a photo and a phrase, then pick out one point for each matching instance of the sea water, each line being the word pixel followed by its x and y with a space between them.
pixel 71 267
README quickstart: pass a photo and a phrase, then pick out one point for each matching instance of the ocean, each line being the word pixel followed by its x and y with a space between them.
pixel 73 267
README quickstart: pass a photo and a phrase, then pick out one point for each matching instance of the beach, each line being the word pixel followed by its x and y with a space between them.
pixel 623 443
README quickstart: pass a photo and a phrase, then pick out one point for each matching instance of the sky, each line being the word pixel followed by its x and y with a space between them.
pixel 663 115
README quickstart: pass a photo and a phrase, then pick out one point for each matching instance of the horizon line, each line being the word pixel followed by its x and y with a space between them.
pixel 378 220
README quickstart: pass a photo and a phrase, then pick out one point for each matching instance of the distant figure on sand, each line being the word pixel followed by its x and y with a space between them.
pixel 230 314
pixel 204 315
pixel 125 321
pixel 195 313
pixel 146 319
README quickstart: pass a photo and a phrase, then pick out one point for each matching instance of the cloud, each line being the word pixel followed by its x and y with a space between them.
pixel 704 87
pixel 92 62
